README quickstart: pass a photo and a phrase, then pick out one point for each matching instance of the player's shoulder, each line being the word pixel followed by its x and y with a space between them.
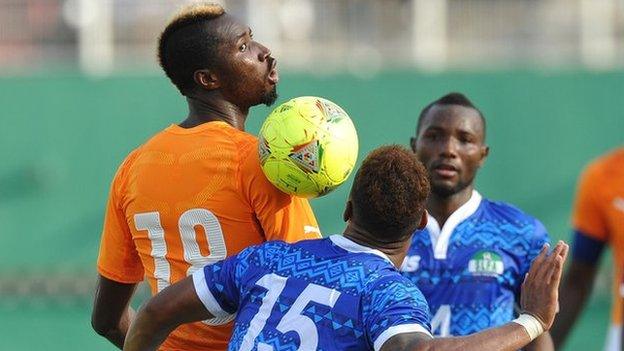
pixel 374 260
pixel 246 142
pixel 387 286
pixel 247 149
pixel 607 159
pixel 270 249
pixel 504 210
pixel 276 250
pixel 126 165
pixel 363 263
pixel 131 157
pixel 273 248
pixel 510 215
pixel 391 279
pixel 140 151
pixel 215 131
pixel 605 167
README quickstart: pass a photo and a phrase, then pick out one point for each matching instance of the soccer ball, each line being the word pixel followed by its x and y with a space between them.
pixel 308 146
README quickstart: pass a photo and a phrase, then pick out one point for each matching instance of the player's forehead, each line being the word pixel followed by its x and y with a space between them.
pixel 452 117
pixel 229 28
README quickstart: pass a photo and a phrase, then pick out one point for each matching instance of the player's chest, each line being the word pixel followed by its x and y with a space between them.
pixel 464 263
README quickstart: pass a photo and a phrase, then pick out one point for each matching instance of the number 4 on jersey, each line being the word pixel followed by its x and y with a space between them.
pixel 442 321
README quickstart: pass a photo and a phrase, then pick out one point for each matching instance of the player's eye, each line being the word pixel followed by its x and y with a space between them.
pixel 431 136
pixel 466 139
pixel 242 48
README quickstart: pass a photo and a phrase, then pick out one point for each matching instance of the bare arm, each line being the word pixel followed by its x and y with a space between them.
pixel 509 337
pixel 577 284
pixel 543 343
pixel 172 307
pixel 540 293
pixel 112 313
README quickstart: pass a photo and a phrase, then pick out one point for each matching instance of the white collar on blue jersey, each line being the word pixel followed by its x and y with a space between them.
pixel 352 246
pixel 440 237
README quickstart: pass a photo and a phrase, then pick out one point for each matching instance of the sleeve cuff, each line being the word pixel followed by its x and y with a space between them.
pixel 125 279
pixel 206 297
pixel 399 329
pixel 586 248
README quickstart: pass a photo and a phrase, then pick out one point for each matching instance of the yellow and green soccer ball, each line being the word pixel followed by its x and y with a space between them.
pixel 308 146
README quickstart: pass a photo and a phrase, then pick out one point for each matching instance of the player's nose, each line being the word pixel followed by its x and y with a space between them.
pixel 448 147
pixel 263 53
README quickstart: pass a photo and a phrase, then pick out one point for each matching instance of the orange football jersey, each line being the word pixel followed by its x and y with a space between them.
pixel 191 197
pixel 599 213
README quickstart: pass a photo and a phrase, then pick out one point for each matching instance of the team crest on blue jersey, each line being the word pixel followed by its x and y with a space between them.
pixel 486 263
pixel 488 252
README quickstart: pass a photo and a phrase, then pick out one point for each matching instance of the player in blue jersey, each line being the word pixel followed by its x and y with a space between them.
pixel 471 259
pixel 342 292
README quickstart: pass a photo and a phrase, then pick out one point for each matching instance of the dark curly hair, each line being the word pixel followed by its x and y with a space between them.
pixel 453 98
pixel 187 44
pixel 389 193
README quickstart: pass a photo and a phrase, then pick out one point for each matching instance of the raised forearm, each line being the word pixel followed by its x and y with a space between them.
pixel 543 343
pixel 509 337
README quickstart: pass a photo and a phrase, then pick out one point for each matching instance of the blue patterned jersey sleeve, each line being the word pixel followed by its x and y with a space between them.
pixel 217 285
pixel 394 306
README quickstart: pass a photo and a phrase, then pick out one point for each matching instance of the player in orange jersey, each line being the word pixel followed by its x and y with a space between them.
pixel 598 219
pixel 194 193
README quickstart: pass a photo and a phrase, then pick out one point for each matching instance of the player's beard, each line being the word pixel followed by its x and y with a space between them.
pixel 444 191
pixel 270 96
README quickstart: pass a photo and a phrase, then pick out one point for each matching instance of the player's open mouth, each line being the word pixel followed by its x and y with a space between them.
pixel 273 75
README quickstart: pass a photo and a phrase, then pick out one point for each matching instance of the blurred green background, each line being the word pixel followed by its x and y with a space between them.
pixel 63 135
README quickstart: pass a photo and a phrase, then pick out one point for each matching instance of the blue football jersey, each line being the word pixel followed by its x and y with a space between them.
pixel 471 270
pixel 323 294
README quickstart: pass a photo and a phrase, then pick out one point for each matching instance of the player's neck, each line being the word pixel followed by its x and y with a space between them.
pixel 214 108
pixel 442 207
pixel 396 250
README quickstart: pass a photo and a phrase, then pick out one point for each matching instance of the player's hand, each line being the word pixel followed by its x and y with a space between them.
pixel 540 290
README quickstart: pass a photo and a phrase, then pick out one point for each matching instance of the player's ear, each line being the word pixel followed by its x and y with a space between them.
pixel 348 211
pixel 485 151
pixel 206 79
pixel 423 220
pixel 413 144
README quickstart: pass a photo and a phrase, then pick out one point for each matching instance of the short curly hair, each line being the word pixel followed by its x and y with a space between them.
pixel 187 44
pixel 453 98
pixel 389 193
